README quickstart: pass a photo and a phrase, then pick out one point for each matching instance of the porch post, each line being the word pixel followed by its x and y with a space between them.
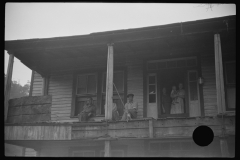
pixel 224 147
pixel 8 85
pixel 219 74
pixel 45 85
pixel 107 149
pixel 150 122
pixel 109 84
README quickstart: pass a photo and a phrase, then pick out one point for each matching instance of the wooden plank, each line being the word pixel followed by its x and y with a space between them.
pixel 15 102
pixel 56 88
pixel 60 93
pixel 109 83
pixel 6 132
pixel 14 119
pixel 14 111
pixel 37 100
pixel 26 109
pixel 107 149
pixel 39 109
pixel 30 100
pixel 224 147
pixel 61 112
pixel 61 96
pixel 150 128
pixel 61 107
pixel 60 104
pixel 219 74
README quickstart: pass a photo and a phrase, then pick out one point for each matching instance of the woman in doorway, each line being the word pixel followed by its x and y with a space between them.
pixel 174 95
pixel 177 106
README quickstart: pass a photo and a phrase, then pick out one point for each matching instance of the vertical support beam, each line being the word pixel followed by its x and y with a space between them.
pixel 8 85
pixel 107 149
pixel 31 84
pixel 45 86
pixel 150 128
pixel 224 147
pixel 109 83
pixel 219 74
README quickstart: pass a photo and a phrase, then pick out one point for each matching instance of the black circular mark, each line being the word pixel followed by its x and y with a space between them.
pixel 203 135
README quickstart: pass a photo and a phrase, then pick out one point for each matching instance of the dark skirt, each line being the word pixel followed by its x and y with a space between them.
pixel 83 117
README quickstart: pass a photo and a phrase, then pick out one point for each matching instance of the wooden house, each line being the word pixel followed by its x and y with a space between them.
pixel 65 70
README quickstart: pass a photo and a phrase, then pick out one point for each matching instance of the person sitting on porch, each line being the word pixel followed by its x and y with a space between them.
pixel 115 114
pixel 88 110
pixel 130 108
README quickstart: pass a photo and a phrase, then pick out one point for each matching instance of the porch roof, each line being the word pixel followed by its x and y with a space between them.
pixel 48 54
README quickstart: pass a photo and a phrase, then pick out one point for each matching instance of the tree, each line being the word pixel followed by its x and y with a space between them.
pixel 208 5
pixel 17 90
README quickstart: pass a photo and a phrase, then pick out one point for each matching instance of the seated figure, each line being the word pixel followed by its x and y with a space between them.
pixel 130 108
pixel 115 114
pixel 88 111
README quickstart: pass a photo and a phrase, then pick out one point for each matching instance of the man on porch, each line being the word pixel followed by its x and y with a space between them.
pixel 130 108
pixel 88 110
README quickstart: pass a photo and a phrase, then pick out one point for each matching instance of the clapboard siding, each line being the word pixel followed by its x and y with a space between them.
pixel 37 84
pixel 209 87
pixel 60 87
pixel 135 82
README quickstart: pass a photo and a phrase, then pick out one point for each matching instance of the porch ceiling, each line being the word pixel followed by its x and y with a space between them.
pixel 52 54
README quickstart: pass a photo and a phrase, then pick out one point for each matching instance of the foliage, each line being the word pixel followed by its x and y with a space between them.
pixel 208 5
pixel 17 90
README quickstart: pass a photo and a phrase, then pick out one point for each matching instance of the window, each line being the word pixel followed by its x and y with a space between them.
pixel 118 80
pixel 87 84
pixel 94 85
pixel 230 85
pixel 170 63
pixel 86 87
pixel 152 88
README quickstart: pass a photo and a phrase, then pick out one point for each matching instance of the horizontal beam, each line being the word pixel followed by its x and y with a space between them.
pixel 185 28
pixel 167 128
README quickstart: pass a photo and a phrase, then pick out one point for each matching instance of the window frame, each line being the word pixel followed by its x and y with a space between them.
pixel 87 74
pixel 228 85
pixel 99 79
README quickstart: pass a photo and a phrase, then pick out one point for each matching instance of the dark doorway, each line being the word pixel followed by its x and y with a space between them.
pixel 167 79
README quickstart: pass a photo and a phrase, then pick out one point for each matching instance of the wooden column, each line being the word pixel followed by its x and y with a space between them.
pixel 107 149
pixel 109 84
pixel 45 86
pixel 224 147
pixel 31 84
pixel 219 74
pixel 150 128
pixel 8 85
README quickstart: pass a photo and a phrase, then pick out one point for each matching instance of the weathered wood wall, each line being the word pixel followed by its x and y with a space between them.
pixel 209 86
pixel 135 82
pixel 42 132
pixel 37 84
pixel 60 88
pixel 60 151
pixel 29 109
